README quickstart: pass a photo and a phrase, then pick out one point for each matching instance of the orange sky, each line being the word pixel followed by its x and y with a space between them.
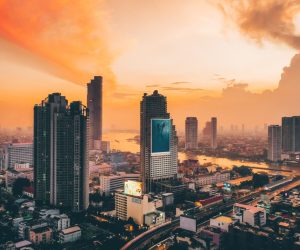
pixel 190 50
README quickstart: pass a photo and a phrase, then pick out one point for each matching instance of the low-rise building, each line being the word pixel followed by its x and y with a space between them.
pixel 254 216
pixel 40 235
pixel 70 234
pixel 222 222
pixel 212 178
pixel 154 218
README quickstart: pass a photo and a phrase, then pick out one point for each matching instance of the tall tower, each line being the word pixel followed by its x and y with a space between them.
pixel 191 133
pixel 213 123
pixel 291 134
pixel 158 144
pixel 94 104
pixel 274 143
pixel 60 153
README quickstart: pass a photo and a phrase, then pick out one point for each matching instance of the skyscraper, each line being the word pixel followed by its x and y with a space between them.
pixel 291 134
pixel 60 153
pixel 274 143
pixel 94 104
pixel 158 144
pixel 191 133
pixel 213 123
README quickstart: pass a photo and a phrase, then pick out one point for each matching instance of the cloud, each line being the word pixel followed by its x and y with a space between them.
pixel 268 19
pixel 182 89
pixel 179 83
pixel 152 85
pixel 67 37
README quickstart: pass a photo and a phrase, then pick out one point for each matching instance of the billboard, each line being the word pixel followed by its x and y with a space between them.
pixel 160 136
pixel 133 188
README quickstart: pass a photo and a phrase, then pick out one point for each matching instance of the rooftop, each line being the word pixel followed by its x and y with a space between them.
pixel 251 209
pixel 71 230
pixel 224 219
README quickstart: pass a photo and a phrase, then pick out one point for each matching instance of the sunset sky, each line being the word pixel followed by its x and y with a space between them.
pixel 210 58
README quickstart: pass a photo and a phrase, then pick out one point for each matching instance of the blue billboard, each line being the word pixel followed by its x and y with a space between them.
pixel 160 136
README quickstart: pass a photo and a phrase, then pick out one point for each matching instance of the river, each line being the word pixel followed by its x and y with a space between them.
pixel 124 141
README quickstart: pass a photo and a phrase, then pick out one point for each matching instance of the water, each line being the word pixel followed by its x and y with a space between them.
pixel 124 142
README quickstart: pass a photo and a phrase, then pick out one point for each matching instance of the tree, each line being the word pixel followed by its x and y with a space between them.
pixel 19 185
pixel 260 180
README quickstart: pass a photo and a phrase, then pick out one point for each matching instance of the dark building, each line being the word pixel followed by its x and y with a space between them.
pixel 60 153
pixel 94 104
pixel 158 145
pixel 291 134
pixel 213 123
pixel 191 133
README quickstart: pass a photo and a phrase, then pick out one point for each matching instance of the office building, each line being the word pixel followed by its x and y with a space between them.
pixel 94 104
pixel 191 133
pixel 130 202
pixel 60 153
pixel 207 131
pixel 274 143
pixel 14 153
pixel 291 134
pixel 213 131
pixel 158 145
pixel 110 183
pixel 254 216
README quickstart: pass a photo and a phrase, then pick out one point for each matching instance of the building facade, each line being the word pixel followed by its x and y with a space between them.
pixel 60 153
pixel 291 134
pixel 94 104
pixel 110 183
pixel 158 141
pixel 254 216
pixel 274 143
pixel 191 133
pixel 15 153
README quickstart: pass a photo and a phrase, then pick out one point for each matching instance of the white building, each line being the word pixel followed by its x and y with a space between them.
pixel 222 222
pixel 110 183
pixel 254 216
pixel 212 178
pixel 274 143
pixel 154 218
pixel 17 153
pixel 135 206
pixel 60 222
pixel 70 234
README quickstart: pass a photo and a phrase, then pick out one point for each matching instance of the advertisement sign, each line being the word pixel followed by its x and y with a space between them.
pixel 133 188
pixel 160 136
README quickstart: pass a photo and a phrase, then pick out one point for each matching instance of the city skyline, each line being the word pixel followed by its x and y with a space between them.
pixel 188 80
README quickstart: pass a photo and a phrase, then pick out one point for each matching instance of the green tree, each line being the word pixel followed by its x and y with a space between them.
pixel 19 185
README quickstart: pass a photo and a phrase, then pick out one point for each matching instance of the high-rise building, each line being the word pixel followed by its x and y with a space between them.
pixel 158 144
pixel 274 143
pixel 291 134
pixel 191 133
pixel 213 138
pixel 207 131
pixel 60 153
pixel 94 104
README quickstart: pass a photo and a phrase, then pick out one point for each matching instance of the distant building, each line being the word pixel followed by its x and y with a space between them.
pixel 61 153
pixel 94 104
pixel 14 153
pixel 214 143
pixel 274 143
pixel 291 134
pixel 254 216
pixel 191 133
pixel 70 234
pixel 158 141
pixel 207 130
pixel 212 178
